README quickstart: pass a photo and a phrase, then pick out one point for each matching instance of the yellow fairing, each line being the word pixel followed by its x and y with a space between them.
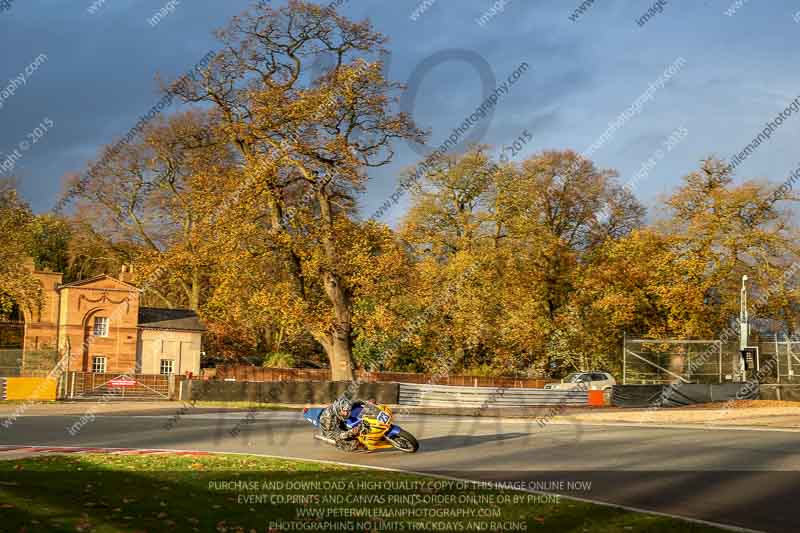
pixel 373 439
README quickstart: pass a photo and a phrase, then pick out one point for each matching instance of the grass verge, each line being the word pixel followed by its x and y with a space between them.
pixel 240 493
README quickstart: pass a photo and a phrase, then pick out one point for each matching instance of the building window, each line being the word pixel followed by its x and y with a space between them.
pixel 101 326
pixel 99 365
pixel 167 366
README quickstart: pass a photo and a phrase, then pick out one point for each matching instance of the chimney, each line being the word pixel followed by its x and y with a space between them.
pixel 126 273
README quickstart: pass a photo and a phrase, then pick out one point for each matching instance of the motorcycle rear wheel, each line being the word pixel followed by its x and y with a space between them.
pixel 404 441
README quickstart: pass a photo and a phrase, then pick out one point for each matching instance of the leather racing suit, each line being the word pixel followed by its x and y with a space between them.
pixel 331 423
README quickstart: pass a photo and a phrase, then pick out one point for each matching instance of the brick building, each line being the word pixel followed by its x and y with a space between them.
pixel 107 331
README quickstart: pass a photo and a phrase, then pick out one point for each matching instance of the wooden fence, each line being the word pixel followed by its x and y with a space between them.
pixel 255 373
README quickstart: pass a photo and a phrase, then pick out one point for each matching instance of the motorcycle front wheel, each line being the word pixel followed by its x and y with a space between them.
pixel 404 441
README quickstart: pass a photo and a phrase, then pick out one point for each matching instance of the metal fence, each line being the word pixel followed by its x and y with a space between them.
pixel 10 362
pixel 662 361
pixel 88 385
pixel 779 358
pixel 12 335
pixel 30 363
pixel 452 396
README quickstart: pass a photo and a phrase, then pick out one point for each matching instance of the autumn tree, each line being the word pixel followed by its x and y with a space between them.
pixel 305 143
pixel 250 310
pixel 559 208
pixel 73 247
pixel 718 231
pixel 17 286
pixel 525 233
pixel 452 227
pixel 618 291
pixel 452 206
pixel 152 198
pixel 680 277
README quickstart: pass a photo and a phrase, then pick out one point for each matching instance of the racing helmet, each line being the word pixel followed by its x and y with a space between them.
pixel 342 408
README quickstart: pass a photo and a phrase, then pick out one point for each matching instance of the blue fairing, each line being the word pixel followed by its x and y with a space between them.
pixel 312 414
pixel 354 418
pixel 393 431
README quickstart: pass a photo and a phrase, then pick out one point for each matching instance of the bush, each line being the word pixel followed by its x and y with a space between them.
pixel 279 360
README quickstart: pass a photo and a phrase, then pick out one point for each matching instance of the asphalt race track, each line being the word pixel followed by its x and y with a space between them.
pixel 744 478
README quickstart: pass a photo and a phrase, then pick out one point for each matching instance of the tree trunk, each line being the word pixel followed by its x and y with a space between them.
pixel 341 359
pixel 340 345
pixel 194 300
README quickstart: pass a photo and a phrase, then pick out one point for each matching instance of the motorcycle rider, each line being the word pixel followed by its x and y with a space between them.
pixel 331 423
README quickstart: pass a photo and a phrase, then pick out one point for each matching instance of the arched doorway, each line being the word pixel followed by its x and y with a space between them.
pixel 95 341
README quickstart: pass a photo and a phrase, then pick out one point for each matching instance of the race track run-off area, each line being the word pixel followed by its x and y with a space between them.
pixel 739 477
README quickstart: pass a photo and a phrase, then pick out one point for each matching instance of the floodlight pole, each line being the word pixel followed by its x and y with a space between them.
pixel 624 359
pixel 744 325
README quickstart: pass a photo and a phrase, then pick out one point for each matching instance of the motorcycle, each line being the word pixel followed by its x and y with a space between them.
pixel 377 432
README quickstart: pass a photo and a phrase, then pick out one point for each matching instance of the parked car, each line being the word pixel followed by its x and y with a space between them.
pixel 595 381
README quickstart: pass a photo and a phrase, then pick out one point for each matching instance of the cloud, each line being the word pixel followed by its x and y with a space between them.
pixel 99 79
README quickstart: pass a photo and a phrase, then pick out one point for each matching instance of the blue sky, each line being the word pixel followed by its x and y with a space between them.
pixel 740 71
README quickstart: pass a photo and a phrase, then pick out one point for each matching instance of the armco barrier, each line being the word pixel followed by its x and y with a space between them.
pixel 681 394
pixel 449 396
pixel 30 388
pixel 290 392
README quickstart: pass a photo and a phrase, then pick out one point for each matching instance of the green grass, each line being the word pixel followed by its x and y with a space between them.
pixel 107 493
